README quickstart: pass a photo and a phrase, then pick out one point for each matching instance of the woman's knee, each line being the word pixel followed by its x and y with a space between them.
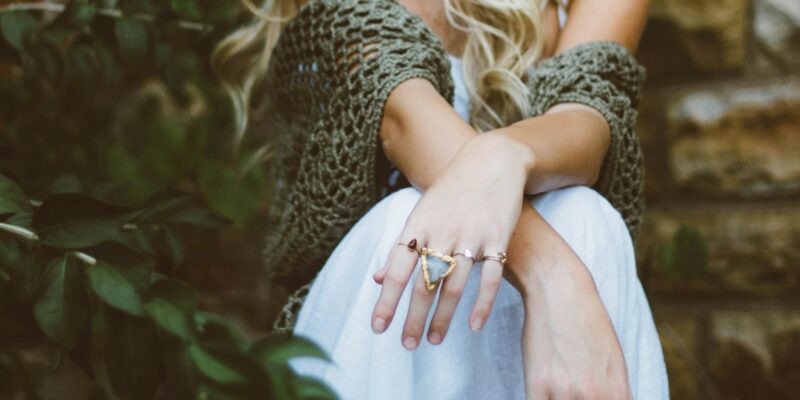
pixel 589 224
pixel 580 209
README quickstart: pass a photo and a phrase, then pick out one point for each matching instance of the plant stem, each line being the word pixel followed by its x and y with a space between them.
pixel 19 231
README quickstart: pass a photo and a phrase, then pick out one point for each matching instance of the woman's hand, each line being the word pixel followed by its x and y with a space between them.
pixel 474 205
pixel 570 348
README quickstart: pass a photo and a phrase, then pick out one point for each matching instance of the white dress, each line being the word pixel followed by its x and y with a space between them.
pixel 467 365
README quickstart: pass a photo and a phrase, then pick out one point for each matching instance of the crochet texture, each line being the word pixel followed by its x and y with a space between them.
pixel 330 75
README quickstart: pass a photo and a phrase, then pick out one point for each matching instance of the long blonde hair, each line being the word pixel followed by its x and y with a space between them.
pixel 503 40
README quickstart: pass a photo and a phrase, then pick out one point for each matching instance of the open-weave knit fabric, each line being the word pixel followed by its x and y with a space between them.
pixel 332 70
pixel 606 77
pixel 330 75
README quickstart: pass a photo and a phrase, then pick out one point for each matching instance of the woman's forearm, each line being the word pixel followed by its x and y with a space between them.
pixel 568 144
pixel 421 133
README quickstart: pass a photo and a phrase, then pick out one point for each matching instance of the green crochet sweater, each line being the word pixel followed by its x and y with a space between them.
pixel 332 70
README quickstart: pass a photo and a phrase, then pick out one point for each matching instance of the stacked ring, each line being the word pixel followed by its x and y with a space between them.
pixel 501 257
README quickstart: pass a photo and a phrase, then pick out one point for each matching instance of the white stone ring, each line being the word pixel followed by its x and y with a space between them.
pixel 466 254
pixel 435 265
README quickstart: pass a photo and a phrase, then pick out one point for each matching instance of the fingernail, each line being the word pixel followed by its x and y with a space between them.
pixel 435 338
pixel 378 325
pixel 410 343
pixel 477 324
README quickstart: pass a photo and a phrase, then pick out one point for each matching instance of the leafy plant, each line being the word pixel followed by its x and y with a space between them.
pixel 120 102
pixel 685 255
pixel 84 270
pixel 113 121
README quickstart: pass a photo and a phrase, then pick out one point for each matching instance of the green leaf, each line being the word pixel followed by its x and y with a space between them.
pixel 28 275
pixel 16 27
pixel 67 183
pixel 132 358
pixel 219 364
pixel 310 388
pixel 133 264
pixel 76 221
pixel 691 251
pixel 172 306
pixel 9 252
pixel 216 331
pixel 76 15
pixel 237 198
pixel 12 198
pixel 61 309
pixel 24 220
pixel 131 37
pixel 186 9
pixel 686 255
pixel 172 246
pixel 278 349
pixel 281 381
pixel 112 286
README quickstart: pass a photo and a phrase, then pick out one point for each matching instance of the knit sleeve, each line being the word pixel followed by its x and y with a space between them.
pixel 332 70
pixel 604 76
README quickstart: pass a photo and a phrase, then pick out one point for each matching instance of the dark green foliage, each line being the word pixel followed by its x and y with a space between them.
pixel 686 255
pixel 146 326
pixel 62 307
pixel 115 164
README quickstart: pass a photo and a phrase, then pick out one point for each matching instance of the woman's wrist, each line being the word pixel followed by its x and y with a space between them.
pixel 503 145
pixel 540 261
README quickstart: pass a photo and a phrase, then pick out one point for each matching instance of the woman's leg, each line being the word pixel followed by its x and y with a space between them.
pixel 467 365
pixel 598 235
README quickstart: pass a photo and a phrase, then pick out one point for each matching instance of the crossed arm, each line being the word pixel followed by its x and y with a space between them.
pixel 427 140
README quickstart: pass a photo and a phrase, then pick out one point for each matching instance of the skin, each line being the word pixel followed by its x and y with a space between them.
pixel 569 346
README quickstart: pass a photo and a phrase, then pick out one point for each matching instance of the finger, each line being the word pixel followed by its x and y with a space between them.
pixel 449 296
pixel 491 278
pixel 379 275
pixel 398 267
pixel 418 309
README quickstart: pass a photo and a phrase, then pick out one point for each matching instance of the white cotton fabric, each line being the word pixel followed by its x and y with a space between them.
pixel 467 365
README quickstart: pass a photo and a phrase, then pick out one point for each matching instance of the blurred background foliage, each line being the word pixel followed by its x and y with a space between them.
pixel 114 101
pixel 118 100
pixel 120 193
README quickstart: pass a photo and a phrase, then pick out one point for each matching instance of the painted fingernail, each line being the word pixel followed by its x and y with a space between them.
pixel 410 343
pixel 435 338
pixel 476 324
pixel 378 325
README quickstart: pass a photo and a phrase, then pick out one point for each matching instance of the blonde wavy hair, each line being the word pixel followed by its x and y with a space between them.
pixel 504 38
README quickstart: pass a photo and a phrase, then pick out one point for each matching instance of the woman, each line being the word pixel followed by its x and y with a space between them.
pixel 357 93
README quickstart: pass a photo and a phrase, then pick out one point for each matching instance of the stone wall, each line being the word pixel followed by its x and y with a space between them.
pixel 720 249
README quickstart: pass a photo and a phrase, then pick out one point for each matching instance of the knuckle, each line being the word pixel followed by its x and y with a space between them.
pixel 420 291
pixel 482 310
pixel 561 386
pixel 394 278
pixel 383 310
pixel 440 325
pixel 588 392
pixel 491 284
pixel 542 382
pixel 412 328
pixel 452 292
